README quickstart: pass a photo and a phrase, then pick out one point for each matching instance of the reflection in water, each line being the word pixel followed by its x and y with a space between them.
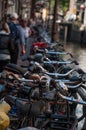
pixel 79 52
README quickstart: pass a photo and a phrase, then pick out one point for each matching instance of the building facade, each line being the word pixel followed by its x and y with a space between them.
pixel 79 8
pixel 72 6
pixel 22 7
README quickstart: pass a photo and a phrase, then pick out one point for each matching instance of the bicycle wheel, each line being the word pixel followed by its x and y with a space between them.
pixel 82 93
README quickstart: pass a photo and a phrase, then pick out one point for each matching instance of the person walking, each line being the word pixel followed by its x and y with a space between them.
pixel 25 32
pixel 6 46
pixel 15 34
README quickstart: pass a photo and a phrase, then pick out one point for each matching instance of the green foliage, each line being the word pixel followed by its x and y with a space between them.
pixel 52 4
pixel 64 4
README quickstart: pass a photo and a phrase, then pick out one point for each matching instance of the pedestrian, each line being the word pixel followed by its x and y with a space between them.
pixel 31 22
pixel 25 32
pixel 82 30
pixel 15 36
pixel 6 46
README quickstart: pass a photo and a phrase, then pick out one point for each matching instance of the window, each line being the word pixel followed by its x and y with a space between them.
pixel 80 1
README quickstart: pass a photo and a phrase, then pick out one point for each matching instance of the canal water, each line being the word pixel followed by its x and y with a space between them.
pixel 79 53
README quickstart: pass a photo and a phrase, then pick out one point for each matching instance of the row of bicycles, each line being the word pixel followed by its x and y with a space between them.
pixel 43 94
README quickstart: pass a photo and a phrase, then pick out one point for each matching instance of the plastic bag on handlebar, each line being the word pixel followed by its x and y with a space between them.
pixel 4 107
pixel 4 121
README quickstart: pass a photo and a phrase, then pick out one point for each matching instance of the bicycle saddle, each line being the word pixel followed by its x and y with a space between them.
pixel 26 89
pixel 36 57
pixel 24 106
pixel 15 68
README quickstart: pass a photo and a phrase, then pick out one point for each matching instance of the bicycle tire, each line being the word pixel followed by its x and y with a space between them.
pixel 82 94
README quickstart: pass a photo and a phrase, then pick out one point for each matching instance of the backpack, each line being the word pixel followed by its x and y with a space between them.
pixel 14 31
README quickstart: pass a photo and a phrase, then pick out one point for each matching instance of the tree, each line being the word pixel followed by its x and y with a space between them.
pixel 54 20
pixel 32 13
pixel 62 4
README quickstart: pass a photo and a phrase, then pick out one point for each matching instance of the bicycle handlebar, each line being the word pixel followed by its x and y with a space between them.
pixel 72 99
pixel 46 51
pixel 58 74
pixel 53 74
pixel 57 62
pixel 61 87
pixel 38 65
